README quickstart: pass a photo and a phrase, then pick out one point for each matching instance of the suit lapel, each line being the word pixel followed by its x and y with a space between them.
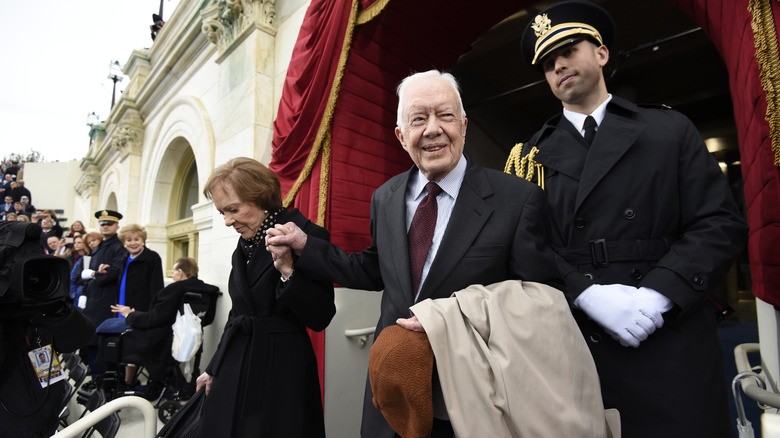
pixel 395 214
pixel 469 216
pixel 615 136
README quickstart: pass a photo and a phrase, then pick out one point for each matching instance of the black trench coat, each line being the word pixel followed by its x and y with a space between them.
pixel 650 193
pixel 265 380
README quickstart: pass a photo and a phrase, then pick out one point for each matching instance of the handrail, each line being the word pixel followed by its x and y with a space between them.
pixel 749 386
pixel 354 333
pixel 362 334
pixel 94 417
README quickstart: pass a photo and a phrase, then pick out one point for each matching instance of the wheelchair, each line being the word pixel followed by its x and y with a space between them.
pixel 116 350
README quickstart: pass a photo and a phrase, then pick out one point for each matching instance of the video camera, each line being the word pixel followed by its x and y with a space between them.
pixel 29 279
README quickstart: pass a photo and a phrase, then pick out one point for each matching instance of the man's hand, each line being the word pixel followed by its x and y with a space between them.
pixel 286 235
pixel 412 324
pixel 204 380
pixel 627 319
pixel 102 269
pixel 124 310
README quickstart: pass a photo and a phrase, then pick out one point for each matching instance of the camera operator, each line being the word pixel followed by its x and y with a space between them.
pixel 37 322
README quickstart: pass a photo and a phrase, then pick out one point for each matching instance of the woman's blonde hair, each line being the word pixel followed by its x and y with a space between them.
pixel 125 231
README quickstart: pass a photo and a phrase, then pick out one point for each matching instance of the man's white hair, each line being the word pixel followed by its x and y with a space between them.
pixel 447 77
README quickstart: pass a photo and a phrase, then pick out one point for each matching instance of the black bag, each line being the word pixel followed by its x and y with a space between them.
pixel 185 423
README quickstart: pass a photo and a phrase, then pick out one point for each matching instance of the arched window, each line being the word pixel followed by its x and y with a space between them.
pixel 189 192
pixel 181 231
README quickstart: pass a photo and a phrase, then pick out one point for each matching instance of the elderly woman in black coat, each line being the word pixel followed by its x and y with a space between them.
pixel 262 380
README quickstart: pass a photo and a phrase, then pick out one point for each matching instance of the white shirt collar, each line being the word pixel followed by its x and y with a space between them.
pixel 450 184
pixel 578 119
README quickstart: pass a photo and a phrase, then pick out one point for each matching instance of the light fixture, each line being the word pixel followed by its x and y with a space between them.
pixel 116 75
pixel 92 119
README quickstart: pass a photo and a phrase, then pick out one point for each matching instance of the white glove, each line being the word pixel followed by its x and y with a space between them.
pixel 627 319
pixel 654 300
pixel 87 274
pixel 82 304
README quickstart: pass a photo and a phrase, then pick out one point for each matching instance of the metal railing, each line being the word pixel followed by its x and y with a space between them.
pixel 91 419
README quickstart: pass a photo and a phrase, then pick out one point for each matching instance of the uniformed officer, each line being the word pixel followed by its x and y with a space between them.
pixel 645 227
pixel 102 288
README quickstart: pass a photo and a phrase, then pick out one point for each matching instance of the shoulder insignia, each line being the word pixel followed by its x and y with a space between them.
pixel 524 165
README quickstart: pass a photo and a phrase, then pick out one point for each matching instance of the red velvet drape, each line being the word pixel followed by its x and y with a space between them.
pixel 304 98
pixel 728 24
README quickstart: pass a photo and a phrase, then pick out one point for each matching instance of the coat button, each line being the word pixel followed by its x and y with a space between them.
pixel 580 222
pixel 697 280
pixel 595 337
pixel 636 274
pixel 629 213
pixel 589 275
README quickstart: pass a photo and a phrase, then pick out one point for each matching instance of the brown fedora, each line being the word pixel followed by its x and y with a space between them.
pixel 400 370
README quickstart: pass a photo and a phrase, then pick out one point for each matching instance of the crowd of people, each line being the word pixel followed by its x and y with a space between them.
pixel 630 228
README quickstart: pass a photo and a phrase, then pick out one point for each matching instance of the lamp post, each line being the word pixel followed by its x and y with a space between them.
pixel 115 74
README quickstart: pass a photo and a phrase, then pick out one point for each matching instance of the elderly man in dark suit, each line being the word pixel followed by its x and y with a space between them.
pixel 445 224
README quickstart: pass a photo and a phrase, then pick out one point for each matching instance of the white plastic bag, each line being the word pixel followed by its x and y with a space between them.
pixel 187 335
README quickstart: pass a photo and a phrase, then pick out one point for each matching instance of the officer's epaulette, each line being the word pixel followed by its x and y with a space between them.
pixel 521 163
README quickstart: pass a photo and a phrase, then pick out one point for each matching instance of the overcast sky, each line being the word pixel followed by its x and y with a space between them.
pixel 55 57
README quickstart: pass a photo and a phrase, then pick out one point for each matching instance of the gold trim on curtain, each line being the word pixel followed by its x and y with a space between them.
pixel 765 38
pixel 322 141
pixel 372 12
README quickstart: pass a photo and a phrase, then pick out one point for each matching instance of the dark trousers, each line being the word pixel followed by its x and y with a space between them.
pixel 441 429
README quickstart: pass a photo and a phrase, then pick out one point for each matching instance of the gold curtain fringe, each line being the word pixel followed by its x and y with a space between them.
pixel 372 12
pixel 765 37
pixel 322 140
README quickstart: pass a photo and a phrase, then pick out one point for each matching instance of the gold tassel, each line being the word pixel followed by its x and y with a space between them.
pixel 525 166
pixel 765 39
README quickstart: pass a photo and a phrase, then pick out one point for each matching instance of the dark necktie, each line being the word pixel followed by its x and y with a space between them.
pixel 421 232
pixel 590 129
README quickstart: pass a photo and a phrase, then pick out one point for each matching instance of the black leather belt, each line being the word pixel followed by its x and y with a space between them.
pixel 600 252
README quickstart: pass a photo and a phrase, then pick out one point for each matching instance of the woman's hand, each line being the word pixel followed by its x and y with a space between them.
pixel 204 380
pixel 124 310
pixel 283 261
pixel 103 267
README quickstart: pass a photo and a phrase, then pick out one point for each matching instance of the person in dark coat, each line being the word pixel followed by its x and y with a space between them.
pixel 20 191
pixel 488 226
pixel 41 327
pixel 140 280
pixel 142 272
pixel 645 229
pixel 151 337
pixel 105 266
pixel 262 380
pixel 102 275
